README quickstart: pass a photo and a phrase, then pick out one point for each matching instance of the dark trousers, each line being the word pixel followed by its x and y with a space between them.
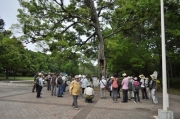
pixel 39 91
pixel 64 87
pixel 83 90
pixel 144 93
pixel 60 90
pixel 125 96
pixel 48 85
pixel 75 104
pixel 136 96
pixel 34 87
pixel 115 92
pixel 110 93
pixel 119 91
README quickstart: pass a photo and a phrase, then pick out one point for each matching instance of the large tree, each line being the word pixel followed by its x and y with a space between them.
pixel 53 20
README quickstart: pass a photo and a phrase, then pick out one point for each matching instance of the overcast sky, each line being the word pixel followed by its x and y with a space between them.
pixel 8 12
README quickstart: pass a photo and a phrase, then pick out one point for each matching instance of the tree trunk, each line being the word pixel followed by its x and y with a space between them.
pixel 7 73
pixel 101 57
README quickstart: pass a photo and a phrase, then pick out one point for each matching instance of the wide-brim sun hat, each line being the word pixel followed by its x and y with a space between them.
pixel 152 76
pixel 124 74
pixel 141 76
pixel 76 76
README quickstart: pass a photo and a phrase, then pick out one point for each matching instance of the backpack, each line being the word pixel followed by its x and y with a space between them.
pixel 136 86
pixel 59 81
pixel 37 80
pixel 151 84
pixel 115 83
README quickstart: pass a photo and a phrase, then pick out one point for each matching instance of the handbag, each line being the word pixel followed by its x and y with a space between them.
pixel 106 87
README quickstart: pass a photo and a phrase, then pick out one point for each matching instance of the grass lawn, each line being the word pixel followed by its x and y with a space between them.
pixel 16 78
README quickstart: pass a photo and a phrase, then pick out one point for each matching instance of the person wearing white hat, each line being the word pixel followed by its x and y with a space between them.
pixel 75 90
pixel 153 87
pixel 124 84
pixel 136 90
pixel 143 87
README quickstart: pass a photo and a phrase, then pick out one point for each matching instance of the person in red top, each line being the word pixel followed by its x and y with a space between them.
pixel 53 85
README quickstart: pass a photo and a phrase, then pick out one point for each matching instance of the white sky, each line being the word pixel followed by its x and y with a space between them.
pixel 8 12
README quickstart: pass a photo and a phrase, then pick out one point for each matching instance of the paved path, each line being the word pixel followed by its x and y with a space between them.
pixel 20 103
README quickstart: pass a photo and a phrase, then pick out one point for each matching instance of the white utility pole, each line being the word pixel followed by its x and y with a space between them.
pixel 164 77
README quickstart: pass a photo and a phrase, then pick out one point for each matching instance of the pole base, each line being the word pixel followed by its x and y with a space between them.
pixel 162 114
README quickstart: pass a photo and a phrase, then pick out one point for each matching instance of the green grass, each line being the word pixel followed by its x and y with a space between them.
pixel 16 78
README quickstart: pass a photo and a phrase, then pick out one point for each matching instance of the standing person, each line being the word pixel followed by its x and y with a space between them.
pixel 48 82
pixel 34 86
pixel 132 80
pixel 129 88
pixel 64 78
pixel 84 83
pixel 125 88
pixel 143 87
pixel 153 85
pixel 60 86
pixel 74 90
pixel 136 86
pixel 103 83
pixel 109 83
pixel 147 87
pixel 88 93
pixel 115 84
pixel 40 85
pixel 53 85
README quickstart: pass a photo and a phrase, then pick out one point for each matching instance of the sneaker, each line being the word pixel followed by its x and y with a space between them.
pixel 76 108
pixel 134 101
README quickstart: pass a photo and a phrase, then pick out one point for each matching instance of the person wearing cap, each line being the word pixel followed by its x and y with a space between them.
pixel 136 86
pixel 153 85
pixel 125 88
pixel 75 90
pixel 103 83
pixel 88 93
pixel 40 85
pixel 143 87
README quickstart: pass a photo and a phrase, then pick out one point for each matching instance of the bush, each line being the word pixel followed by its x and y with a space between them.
pixel 175 83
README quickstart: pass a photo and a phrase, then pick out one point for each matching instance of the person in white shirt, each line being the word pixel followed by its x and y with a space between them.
pixel 143 87
pixel 88 93
pixel 103 83
pixel 40 86
pixel 84 83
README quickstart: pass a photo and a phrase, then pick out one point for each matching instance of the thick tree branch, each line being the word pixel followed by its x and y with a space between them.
pixel 88 38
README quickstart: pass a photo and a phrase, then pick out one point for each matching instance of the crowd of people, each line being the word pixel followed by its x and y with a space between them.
pixel 81 87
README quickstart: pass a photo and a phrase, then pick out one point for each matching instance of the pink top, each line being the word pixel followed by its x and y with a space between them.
pixel 125 83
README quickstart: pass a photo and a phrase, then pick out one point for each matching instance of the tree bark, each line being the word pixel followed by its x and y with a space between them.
pixel 101 57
